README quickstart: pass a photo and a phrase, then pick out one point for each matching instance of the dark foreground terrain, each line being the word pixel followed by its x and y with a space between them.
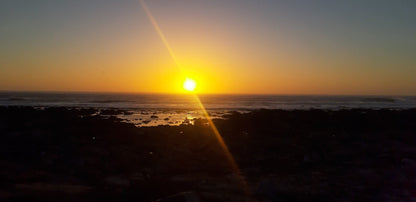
pixel 60 154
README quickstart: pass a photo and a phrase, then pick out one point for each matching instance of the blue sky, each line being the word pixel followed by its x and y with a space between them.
pixel 355 47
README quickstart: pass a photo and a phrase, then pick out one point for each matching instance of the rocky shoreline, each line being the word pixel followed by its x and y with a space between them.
pixel 299 155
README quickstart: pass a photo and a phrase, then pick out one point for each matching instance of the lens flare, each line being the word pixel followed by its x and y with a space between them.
pixel 190 85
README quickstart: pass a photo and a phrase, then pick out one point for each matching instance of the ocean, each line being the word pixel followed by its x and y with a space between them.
pixel 167 109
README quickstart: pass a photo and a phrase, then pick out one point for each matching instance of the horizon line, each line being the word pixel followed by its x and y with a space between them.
pixel 167 93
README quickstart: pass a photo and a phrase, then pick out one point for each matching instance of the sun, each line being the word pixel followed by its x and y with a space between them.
pixel 189 84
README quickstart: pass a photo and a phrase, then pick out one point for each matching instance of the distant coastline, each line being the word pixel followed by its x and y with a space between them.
pixel 167 109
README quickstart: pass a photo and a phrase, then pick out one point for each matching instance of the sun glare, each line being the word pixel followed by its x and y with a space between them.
pixel 189 84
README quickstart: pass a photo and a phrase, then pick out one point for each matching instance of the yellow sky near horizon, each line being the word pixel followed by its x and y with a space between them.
pixel 228 48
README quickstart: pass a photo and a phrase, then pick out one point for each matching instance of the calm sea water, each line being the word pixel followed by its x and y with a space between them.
pixel 156 109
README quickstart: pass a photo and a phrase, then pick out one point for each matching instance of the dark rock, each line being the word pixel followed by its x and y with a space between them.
pixel 117 181
pixel 298 155
pixel 181 197
pixel 267 190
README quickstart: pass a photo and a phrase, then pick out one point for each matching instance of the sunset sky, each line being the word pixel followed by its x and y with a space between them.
pixel 227 46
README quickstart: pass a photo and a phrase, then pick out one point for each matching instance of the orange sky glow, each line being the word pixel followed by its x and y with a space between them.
pixel 228 48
